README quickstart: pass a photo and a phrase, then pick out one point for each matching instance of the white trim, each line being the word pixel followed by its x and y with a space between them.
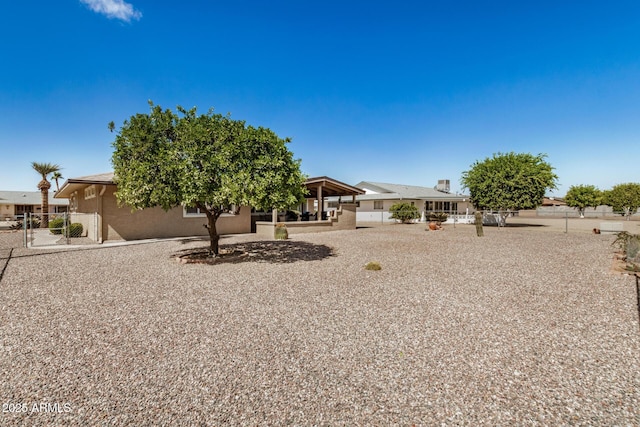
pixel 90 192
pixel 185 214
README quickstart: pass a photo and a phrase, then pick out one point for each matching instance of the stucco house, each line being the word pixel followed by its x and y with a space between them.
pixel 373 206
pixel 17 203
pixel 93 203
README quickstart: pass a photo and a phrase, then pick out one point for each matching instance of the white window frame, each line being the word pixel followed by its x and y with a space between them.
pixel 379 203
pixel 90 192
pixel 198 214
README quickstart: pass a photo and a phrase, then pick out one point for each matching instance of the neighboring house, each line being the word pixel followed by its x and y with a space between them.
pixel 14 203
pixel 93 203
pixel 373 206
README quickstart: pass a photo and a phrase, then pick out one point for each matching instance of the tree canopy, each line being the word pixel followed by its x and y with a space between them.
pixel 623 198
pixel 509 181
pixel 208 161
pixel 582 197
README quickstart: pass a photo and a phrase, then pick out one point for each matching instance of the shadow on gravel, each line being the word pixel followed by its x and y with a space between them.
pixel 277 252
pixel 518 225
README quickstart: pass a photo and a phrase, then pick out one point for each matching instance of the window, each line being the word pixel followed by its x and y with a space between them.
pixel 192 212
pixel 73 201
pixel 189 212
pixel 90 192
pixel 23 209
pixel 378 204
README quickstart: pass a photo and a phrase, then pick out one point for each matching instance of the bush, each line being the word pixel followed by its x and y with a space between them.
pixel 56 225
pixel 629 244
pixel 404 212
pixel 75 230
pixel 438 217
pixel 280 232
pixel 373 266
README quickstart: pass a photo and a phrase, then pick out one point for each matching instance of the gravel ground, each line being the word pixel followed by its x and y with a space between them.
pixel 520 327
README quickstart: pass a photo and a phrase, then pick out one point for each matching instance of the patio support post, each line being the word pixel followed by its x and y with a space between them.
pixel 274 216
pixel 320 207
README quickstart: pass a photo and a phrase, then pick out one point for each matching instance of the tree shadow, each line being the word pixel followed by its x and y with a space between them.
pixel 516 225
pixel 274 252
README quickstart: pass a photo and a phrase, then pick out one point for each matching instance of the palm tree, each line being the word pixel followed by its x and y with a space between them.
pixel 57 175
pixel 44 169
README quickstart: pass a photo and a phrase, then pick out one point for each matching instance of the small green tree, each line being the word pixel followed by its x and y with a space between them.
pixel 510 181
pixel 623 198
pixel 207 161
pixel 582 197
pixel 404 212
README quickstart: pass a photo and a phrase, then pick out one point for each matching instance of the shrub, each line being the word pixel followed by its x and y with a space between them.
pixel 438 217
pixel 56 225
pixel 280 232
pixel 75 230
pixel 373 265
pixel 404 212
pixel 629 244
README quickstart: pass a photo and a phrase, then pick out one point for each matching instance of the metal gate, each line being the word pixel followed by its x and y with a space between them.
pixel 59 229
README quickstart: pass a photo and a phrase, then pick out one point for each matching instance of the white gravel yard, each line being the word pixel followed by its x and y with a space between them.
pixel 520 327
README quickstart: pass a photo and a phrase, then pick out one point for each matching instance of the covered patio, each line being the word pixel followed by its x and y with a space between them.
pixel 314 215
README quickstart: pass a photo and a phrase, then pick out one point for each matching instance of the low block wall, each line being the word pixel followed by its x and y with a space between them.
pixel 344 218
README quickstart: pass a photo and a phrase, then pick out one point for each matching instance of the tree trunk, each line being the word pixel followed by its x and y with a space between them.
pixel 478 221
pixel 214 238
pixel 44 190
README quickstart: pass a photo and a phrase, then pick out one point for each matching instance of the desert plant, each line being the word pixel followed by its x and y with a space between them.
pixel 56 225
pixel 74 230
pixel 438 217
pixel 280 232
pixel 404 212
pixel 629 244
pixel 373 266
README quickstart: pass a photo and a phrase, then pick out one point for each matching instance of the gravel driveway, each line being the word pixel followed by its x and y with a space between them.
pixel 520 327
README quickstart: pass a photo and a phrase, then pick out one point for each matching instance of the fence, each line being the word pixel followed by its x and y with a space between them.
pixel 59 229
pixel 11 232
pixel 384 217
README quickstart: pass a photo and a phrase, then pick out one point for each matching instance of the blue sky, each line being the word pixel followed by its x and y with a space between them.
pixel 404 92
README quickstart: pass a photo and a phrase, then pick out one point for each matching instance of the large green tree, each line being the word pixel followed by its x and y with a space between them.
pixel 582 197
pixel 509 181
pixel 208 161
pixel 623 198
pixel 44 169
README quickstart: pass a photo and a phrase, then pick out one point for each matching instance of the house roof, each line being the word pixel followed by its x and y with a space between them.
pixel 330 187
pixel 74 184
pixel 552 201
pixel 385 191
pixel 26 198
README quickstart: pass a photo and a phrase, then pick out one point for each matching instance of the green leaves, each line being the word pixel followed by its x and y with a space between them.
pixel 623 197
pixel 165 159
pixel 583 196
pixel 509 181
pixel 405 212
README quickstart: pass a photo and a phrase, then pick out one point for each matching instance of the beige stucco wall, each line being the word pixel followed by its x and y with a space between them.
pixel 120 223
pixel 7 211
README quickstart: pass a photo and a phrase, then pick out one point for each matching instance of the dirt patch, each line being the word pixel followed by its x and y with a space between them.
pixel 621 266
